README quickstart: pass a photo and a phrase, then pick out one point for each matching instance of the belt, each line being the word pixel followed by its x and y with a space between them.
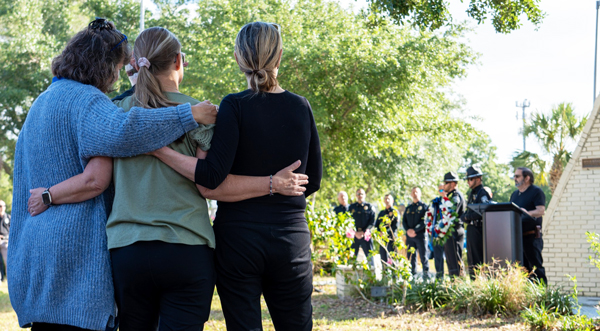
pixel 528 233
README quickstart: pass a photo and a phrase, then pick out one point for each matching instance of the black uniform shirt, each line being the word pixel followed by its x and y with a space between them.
pixel 459 202
pixel 363 214
pixel 341 209
pixel 391 213
pixel 477 195
pixel 414 217
pixel 532 197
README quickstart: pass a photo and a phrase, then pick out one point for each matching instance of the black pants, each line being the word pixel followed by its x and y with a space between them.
pixel 269 259
pixel 367 246
pixel 55 327
pixel 418 243
pixel 474 247
pixel 532 256
pixel 453 251
pixel 162 285
pixel 390 248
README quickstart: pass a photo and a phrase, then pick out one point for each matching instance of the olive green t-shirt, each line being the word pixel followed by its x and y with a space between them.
pixel 153 201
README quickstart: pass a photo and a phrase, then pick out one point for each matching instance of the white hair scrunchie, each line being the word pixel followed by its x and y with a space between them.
pixel 143 62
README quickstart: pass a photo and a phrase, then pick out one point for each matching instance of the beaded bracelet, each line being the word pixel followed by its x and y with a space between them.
pixel 271 185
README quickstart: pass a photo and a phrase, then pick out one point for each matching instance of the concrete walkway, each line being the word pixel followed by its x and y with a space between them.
pixel 588 306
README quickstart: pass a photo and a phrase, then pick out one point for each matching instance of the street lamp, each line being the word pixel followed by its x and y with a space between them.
pixel 596 49
pixel 142 19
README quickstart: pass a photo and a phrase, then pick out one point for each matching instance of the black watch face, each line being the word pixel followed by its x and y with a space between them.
pixel 46 198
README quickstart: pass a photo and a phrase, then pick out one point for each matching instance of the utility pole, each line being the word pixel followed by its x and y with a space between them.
pixel 596 49
pixel 142 11
pixel 523 105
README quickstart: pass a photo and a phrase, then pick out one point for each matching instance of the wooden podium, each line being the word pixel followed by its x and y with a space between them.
pixel 502 231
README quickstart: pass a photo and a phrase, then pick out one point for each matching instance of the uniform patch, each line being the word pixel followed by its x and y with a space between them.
pixel 366 208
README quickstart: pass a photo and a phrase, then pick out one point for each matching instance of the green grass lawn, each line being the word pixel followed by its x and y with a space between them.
pixel 330 313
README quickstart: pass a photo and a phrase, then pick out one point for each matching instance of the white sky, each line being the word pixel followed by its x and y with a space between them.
pixel 552 65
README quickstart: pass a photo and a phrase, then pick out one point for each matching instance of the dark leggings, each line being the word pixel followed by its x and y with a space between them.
pixel 269 259
pixel 162 285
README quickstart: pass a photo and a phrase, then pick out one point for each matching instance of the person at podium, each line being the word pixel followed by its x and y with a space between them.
pixel 474 220
pixel 532 200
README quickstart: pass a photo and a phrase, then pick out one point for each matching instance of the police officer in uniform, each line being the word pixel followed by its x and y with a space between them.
pixel 473 220
pixel 413 223
pixel 392 228
pixel 343 200
pixel 454 244
pixel 364 218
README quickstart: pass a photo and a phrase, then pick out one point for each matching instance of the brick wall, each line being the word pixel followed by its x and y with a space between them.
pixel 575 209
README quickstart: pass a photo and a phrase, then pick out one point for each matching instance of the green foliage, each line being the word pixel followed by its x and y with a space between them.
pixel 427 295
pixel 497 175
pixel 554 132
pixel 433 14
pixel 332 235
pixel 497 289
pixel 377 92
pixel 328 234
pixel 594 240
pixel 6 190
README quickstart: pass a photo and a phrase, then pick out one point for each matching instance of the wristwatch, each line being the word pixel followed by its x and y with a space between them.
pixel 46 197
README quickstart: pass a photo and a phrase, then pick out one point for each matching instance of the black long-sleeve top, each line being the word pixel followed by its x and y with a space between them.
pixel 258 135
pixel 414 217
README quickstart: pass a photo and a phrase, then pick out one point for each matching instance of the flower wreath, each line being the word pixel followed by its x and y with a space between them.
pixel 440 220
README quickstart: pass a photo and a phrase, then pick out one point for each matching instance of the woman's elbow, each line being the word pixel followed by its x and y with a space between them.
pixel 97 185
pixel 206 193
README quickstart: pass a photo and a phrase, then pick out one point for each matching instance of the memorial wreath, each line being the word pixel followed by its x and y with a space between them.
pixel 440 220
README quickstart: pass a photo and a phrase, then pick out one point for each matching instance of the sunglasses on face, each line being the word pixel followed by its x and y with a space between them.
pixel 470 179
pixel 518 176
pixel 446 183
pixel 185 63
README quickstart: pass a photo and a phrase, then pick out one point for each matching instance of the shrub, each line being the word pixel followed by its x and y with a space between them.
pixel 427 295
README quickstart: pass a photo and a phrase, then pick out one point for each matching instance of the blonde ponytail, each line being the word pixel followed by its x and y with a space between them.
pixel 257 47
pixel 159 47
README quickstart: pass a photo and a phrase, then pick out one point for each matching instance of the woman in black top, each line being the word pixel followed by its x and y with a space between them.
pixel 262 244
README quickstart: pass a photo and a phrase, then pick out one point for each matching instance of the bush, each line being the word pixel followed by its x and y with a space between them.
pixel 427 295
pixel 496 289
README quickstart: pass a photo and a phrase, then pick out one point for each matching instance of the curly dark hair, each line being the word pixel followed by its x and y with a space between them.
pixel 92 56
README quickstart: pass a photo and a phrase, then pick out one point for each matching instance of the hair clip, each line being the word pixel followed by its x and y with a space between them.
pixel 99 23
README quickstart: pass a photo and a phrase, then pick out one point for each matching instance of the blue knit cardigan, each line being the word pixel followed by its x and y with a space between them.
pixel 59 267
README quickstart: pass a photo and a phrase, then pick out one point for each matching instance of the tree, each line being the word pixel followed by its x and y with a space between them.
pixel 377 91
pixel 554 133
pixel 496 175
pixel 434 14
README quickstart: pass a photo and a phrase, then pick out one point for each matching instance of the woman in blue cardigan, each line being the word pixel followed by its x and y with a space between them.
pixel 59 268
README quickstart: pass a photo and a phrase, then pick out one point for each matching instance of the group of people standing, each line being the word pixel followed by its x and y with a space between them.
pixel 527 196
pixel 110 222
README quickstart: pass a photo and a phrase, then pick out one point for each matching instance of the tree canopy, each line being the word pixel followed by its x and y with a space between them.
pixel 378 92
pixel 434 14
